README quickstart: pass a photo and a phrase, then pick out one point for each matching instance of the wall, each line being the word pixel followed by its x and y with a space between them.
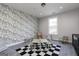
pixel 15 26
pixel 68 23
pixel 43 26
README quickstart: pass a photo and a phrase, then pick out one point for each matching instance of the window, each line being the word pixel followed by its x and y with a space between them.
pixel 53 26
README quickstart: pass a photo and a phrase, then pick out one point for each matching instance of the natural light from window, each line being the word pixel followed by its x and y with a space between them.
pixel 53 26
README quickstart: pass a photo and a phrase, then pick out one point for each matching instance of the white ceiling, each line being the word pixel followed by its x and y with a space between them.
pixel 37 10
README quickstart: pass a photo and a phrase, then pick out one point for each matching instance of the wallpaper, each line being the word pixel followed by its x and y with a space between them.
pixel 15 25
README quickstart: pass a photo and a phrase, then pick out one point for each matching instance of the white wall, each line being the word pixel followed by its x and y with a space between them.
pixel 43 26
pixel 68 23
pixel 16 26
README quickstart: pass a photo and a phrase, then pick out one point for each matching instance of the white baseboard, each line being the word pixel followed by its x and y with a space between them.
pixel 14 43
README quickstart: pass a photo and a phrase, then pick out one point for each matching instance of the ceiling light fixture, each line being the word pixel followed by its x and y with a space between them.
pixel 43 4
pixel 61 7
pixel 40 13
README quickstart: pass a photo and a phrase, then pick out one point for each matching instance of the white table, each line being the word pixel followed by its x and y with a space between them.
pixel 40 41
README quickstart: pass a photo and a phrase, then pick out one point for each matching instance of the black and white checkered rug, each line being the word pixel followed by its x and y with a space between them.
pixel 43 51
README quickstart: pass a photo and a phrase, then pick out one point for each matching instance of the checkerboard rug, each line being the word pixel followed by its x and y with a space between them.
pixel 40 50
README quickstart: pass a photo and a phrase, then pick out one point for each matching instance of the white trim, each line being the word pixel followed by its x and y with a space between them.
pixel 14 44
pixel 9 45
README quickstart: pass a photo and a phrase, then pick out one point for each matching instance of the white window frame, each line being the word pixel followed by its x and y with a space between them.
pixel 53 26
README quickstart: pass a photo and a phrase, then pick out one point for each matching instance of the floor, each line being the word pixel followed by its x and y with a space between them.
pixel 66 50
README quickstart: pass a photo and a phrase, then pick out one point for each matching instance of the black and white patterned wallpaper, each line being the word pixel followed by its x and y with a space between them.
pixel 15 25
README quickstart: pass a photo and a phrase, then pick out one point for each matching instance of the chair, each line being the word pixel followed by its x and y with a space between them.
pixel 65 39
